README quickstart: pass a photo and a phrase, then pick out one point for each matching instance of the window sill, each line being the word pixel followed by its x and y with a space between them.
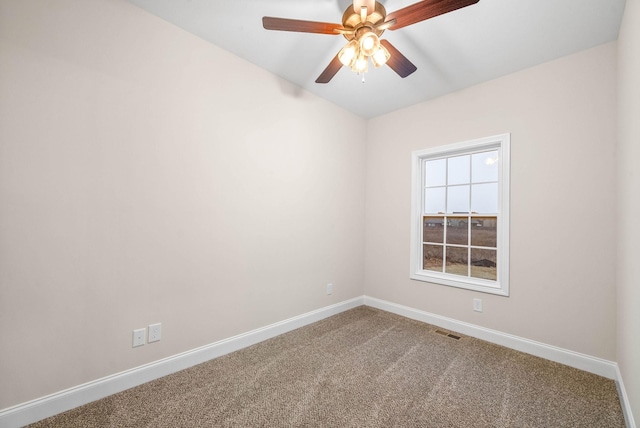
pixel 474 284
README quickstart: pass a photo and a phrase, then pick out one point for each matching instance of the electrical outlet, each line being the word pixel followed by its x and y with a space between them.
pixel 329 289
pixel 139 337
pixel 477 305
pixel 155 331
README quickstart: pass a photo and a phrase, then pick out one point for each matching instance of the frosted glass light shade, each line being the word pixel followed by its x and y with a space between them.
pixel 348 53
pixel 380 56
pixel 369 43
pixel 361 64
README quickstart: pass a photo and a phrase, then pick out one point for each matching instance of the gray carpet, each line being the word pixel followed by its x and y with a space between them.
pixel 363 368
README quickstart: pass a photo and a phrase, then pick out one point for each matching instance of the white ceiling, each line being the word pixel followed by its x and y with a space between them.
pixel 462 48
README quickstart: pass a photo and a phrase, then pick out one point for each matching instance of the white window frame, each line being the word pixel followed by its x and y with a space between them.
pixel 501 143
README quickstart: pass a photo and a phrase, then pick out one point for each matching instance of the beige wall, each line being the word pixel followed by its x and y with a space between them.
pixel 147 176
pixel 628 279
pixel 562 120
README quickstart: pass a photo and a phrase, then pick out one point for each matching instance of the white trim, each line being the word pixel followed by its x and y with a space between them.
pixel 59 402
pixel 624 400
pixel 502 143
pixel 580 361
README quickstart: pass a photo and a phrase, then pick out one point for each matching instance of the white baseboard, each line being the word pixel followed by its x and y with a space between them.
pixel 624 400
pixel 605 368
pixel 573 359
pixel 62 401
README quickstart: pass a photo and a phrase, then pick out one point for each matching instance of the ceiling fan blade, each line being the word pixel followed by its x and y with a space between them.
pixel 384 25
pixel 330 71
pixel 424 10
pixel 284 24
pixel 398 62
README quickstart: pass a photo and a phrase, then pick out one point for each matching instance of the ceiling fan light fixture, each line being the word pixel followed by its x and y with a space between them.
pixel 380 56
pixel 369 43
pixel 349 53
pixel 361 64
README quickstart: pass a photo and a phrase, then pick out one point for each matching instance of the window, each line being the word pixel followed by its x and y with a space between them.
pixel 460 215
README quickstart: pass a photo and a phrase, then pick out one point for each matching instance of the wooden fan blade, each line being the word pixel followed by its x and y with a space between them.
pixel 384 25
pixel 284 24
pixel 398 62
pixel 330 71
pixel 424 10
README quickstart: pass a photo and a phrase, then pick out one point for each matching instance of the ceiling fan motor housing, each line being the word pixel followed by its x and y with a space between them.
pixel 352 20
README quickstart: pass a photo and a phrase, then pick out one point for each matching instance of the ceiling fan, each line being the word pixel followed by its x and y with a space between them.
pixel 362 25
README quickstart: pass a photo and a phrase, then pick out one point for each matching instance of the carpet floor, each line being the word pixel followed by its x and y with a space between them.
pixel 363 368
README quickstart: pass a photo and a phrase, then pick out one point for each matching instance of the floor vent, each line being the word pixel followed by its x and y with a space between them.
pixel 446 333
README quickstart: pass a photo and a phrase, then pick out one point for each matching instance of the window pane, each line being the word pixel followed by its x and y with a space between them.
pixel 433 229
pixel 457 261
pixel 459 170
pixel 484 167
pixel 436 173
pixel 484 264
pixel 458 199
pixel 457 231
pixel 432 257
pixel 484 232
pixel 484 198
pixel 434 200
